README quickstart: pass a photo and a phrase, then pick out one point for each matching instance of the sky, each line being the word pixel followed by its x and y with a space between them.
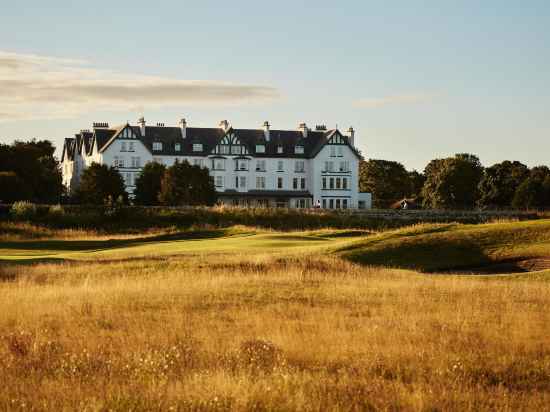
pixel 417 80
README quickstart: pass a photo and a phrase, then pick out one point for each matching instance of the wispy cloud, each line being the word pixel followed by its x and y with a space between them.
pixel 47 87
pixel 396 99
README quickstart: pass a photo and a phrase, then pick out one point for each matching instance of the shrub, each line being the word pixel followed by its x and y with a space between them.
pixel 23 210
pixel 56 211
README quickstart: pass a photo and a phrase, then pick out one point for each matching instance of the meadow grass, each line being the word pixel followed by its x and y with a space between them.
pixel 280 328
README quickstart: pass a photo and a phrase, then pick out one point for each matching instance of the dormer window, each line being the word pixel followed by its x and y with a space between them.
pixel 260 148
pixel 197 147
pixel 177 147
pixel 299 149
pixel 236 150
pixel 279 149
pixel 157 146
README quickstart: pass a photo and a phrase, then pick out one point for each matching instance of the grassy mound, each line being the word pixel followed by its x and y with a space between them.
pixel 452 246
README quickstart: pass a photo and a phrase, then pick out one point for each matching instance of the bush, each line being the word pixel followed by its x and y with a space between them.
pixel 56 211
pixel 23 210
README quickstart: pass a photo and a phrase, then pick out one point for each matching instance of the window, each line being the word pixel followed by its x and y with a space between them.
pixel 241 164
pixel 219 164
pixel 177 147
pixel 337 203
pixel 131 146
pixel 295 183
pixel 260 165
pixel 280 165
pixel 260 148
pixel 157 146
pixel 122 146
pixel 136 161
pixel 260 182
pixel 340 151
pixel 235 149
pixel 324 182
pixel 279 149
pixel 329 166
pixel 331 204
pixel 242 182
pixel 299 166
pixel 331 180
pixel 338 183
pixel 299 149
pixel 344 203
pixel 279 183
pixel 224 149
pixel 197 147
pixel 219 181
pixel 302 183
pixel 118 162
pixel 324 203
pixel 198 162
pixel 332 151
pixel 301 203
pixel 344 183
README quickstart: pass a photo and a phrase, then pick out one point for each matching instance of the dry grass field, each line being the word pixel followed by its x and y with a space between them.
pixel 274 321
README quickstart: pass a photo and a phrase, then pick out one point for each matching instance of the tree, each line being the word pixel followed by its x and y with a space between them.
pixel 100 184
pixel 387 180
pixel 416 180
pixel 452 182
pixel 34 163
pixel 13 188
pixel 499 183
pixel 534 192
pixel 148 184
pixel 183 184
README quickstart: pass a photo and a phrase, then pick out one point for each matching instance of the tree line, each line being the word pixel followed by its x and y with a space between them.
pixel 30 171
pixel 458 182
pixel 177 185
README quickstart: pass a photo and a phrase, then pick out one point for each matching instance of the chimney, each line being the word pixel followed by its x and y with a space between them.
pixel 101 125
pixel 266 131
pixel 351 136
pixel 141 124
pixel 303 128
pixel 224 124
pixel 183 127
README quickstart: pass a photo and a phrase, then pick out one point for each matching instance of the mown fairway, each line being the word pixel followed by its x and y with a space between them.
pixel 241 319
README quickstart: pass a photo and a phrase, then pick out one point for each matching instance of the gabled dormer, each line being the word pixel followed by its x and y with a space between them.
pixel 230 144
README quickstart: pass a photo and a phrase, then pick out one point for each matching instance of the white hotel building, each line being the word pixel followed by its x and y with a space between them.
pixel 256 167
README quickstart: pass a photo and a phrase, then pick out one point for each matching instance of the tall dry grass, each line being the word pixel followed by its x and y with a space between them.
pixel 234 332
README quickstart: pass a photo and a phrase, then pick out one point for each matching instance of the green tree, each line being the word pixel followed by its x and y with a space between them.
pixel 148 184
pixel 13 188
pixel 387 180
pixel 34 163
pixel 534 192
pixel 416 180
pixel 499 183
pixel 183 184
pixel 100 184
pixel 452 183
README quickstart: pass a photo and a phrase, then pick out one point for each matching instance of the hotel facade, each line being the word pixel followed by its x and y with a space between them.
pixel 299 168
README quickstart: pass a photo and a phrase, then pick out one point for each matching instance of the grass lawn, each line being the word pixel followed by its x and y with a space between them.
pixel 246 319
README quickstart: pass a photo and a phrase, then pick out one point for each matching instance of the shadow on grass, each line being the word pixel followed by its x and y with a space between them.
pixel 94 245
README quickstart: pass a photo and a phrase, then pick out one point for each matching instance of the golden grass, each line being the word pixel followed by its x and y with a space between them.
pixel 238 332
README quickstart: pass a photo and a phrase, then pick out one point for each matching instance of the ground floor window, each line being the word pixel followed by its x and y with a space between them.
pixel 336 203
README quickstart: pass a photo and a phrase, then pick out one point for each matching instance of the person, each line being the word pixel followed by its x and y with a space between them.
pixel 318 204
pixel 404 205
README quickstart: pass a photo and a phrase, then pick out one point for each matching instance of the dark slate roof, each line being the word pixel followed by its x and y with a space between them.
pixel 209 138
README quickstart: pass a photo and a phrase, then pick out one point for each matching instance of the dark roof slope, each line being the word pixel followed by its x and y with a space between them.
pixel 209 138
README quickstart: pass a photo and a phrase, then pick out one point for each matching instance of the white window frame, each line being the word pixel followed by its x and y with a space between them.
pixel 299 149
pixel 157 146
pixel 260 148
pixel 197 147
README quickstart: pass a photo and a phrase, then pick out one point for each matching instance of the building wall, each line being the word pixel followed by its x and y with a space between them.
pixel 130 164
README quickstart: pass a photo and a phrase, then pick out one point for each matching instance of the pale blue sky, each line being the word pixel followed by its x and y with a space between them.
pixel 416 79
